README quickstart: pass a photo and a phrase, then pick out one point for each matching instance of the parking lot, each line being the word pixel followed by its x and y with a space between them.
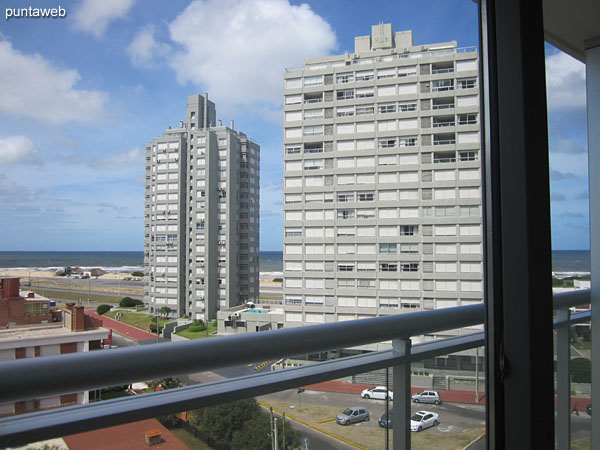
pixel 459 424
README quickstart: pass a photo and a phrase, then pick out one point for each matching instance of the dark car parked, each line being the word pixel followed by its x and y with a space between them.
pixel 386 421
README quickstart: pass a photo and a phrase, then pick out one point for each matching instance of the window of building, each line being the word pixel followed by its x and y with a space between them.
pixel 388 267
pixel 442 85
pixel 345 214
pixel 344 78
pixel 409 267
pixel 468 83
pixel 408 230
pixel 365 75
pixel 407 106
pixel 388 249
pixel 344 111
pixel 386 109
pixel 345 197
pixel 468 156
pixel 345 94
pixel 313 81
pixel 362 110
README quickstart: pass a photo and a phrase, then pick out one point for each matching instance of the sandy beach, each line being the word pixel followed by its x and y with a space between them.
pixel 266 278
pixel 25 274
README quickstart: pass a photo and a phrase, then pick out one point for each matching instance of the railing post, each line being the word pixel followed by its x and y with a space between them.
pixel 563 381
pixel 401 382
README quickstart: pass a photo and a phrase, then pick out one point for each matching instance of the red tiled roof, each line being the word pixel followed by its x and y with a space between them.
pixel 131 436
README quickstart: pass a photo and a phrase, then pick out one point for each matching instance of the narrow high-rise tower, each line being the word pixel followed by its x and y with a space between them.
pixel 201 216
pixel 382 183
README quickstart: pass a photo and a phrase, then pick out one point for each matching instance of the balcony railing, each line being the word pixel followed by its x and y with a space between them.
pixel 412 55
pixel 77 372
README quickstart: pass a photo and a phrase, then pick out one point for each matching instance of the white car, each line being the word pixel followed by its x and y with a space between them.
pixel 378 392
pixel 427 397
pixel 423 419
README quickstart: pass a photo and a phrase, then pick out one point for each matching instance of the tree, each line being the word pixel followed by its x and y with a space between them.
pixel 218 423
pixel 256 434
pixel 165 311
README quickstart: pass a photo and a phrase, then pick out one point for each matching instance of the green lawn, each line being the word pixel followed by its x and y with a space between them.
pixel 138 320
pixel 212 327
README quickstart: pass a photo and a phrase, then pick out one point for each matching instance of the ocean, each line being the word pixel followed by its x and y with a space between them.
pixel 564 262
pixel 271 262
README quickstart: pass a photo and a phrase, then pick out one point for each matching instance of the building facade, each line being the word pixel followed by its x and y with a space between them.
pixel 382 181
pixel 201 216
pixel 31 329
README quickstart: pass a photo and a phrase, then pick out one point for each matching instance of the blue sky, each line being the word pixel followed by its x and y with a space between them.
pixel 82 96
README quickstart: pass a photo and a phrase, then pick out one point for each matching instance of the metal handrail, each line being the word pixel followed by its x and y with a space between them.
pixel 82 371
pixel 91 370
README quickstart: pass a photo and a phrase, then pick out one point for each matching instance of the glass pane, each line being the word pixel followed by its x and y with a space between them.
pixel 567 132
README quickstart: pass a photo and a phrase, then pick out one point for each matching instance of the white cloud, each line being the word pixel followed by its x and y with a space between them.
pixel 15 149
pixel 145 50
pixel 123 159
pixel 33 87
pixel 565 82
pixel 93 16
pixel 237 49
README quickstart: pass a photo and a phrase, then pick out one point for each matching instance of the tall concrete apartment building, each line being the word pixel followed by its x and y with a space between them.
pixel 382 183
pixel 201 216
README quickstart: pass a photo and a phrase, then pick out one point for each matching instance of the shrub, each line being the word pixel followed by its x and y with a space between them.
pixel 581 370
pixel 196 328
pixel 137 274
pixel 128 302
pixel 153 328
pixel 101 309
pixel 277 280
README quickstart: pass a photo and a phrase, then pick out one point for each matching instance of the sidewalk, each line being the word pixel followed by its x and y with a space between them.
pixel 122 328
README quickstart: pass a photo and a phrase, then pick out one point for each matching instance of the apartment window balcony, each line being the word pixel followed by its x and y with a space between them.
pixel 445 70
pixel 444 157
pixel 442 85
pixel 444 139
pixel 313 148
pixel 313 98
pixel 439 122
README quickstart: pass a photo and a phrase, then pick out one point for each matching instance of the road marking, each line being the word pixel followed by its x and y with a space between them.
pixel 326 420
pixel 260 366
